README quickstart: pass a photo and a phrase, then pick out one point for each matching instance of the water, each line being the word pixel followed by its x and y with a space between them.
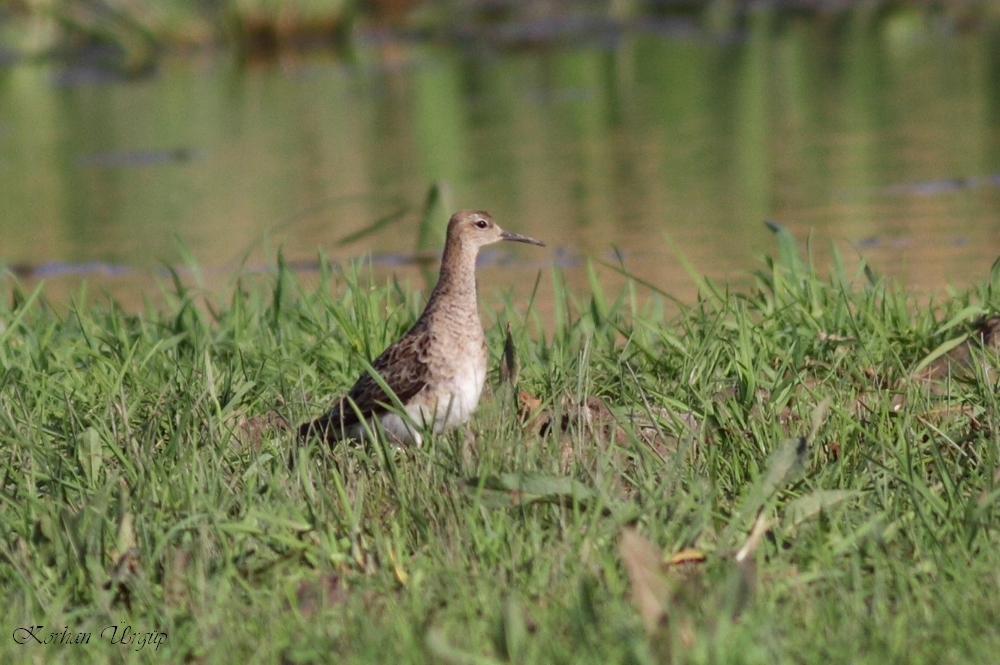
pixel 881 137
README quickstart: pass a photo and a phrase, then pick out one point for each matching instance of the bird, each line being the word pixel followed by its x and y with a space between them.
pixel 437 369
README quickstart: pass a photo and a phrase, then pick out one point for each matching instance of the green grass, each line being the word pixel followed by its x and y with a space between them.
pixel 146 481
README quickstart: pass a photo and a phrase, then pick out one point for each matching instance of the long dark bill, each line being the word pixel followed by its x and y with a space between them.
pixel 517 237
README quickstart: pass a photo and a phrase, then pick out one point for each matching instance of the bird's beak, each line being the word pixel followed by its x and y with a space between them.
pixel 516 237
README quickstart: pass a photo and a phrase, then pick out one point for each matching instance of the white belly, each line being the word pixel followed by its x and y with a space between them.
pixel 451 405
pixel 457 402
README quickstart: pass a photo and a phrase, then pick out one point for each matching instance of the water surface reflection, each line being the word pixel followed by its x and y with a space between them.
pixel 879 136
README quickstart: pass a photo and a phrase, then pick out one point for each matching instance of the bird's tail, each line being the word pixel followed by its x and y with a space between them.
pixel 318 427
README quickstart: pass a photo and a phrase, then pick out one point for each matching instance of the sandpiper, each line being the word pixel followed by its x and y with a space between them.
pixel 438 368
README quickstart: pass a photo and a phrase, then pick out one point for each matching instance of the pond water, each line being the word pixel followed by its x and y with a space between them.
pixel 880 136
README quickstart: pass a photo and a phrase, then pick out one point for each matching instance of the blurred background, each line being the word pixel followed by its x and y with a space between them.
pixel 137 134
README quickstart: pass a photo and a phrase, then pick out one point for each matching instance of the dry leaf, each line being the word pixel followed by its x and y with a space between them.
pixel 322 593
pixel 175 587
pixel 686 556
pixel 650 588
pixel 535 418
pixel 251 431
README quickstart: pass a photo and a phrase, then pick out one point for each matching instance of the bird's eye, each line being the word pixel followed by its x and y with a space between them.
pixel 482 223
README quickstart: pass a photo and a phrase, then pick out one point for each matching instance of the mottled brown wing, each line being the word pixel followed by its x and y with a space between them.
pixel 404 369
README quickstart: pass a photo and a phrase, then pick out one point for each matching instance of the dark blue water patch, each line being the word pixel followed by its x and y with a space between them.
pixel 107 269
pixel 875 242
pixel 495 258
pixel 61 268
pixel 139 158
pixel 616 255
pixel 932 187
pixel 574 29
pixel 86 75
pixel 686 28
pixel 901 242
pixel 401 259
pixel 487 259
pixel 97 65
pixel 565 258
pixel 944 186
pixel 923 188
pixel 486 40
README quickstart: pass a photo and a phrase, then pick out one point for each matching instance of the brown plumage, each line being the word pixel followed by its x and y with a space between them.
pixel 403 370
pixel 438 367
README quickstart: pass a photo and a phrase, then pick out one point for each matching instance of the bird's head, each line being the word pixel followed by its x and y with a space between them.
pixel 476 228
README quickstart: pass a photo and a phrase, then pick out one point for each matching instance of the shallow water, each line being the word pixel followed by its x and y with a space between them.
pixel 881 137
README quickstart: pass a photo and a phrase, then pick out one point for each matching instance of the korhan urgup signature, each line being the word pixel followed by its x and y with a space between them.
pixel 122 635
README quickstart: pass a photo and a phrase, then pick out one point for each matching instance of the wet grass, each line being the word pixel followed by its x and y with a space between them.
pixel 779 481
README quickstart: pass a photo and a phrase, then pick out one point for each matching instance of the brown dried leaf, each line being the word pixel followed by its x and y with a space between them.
pixel 958 361
pixel 686 556
pixel 250 431
pixel 175 587
pixel 326 591
pixel 650 588
pixel 122 578
pixel 535 418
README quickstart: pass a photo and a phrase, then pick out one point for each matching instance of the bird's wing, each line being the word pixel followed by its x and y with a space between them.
pixel 403 367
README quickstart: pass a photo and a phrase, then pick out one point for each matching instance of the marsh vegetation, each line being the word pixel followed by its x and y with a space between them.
pixel 804 471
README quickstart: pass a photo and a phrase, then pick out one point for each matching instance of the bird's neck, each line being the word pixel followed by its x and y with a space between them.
pixel 454 296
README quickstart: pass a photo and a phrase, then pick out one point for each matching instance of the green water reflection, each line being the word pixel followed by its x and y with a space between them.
pixel 855 131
